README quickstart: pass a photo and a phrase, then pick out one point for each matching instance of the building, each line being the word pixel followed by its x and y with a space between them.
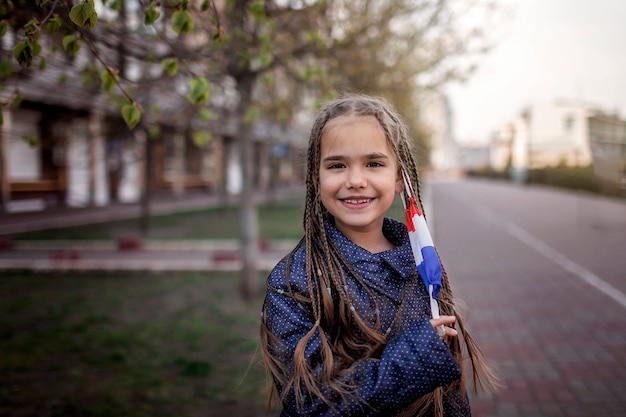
pixel 437 117
pixel 561 133
pixel 607 139
pixel 67 144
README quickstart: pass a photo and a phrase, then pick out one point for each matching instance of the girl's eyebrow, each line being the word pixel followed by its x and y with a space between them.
pixel 373 155
pixel 376 155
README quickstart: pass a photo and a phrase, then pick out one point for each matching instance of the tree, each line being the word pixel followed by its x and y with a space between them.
pixel 247 59
pixel 402 48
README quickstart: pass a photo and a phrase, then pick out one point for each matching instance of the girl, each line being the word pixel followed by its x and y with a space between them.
pixel 345 328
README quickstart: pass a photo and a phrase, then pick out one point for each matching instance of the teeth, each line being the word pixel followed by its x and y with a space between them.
pixel 361 201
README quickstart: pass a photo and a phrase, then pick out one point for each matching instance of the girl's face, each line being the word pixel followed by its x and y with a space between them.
pixel 358 174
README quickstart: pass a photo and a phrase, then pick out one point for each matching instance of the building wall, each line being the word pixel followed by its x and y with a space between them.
pixel 437 116
pixel 607 135
pixel 551 134
pixel 558 135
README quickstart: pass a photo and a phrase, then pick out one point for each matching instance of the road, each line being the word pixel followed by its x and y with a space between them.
pixel 541 276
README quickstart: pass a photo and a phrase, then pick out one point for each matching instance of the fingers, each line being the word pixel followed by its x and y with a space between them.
pixel 445 320
pixel 442 326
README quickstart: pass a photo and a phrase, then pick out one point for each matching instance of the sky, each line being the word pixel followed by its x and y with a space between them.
pixel 546 50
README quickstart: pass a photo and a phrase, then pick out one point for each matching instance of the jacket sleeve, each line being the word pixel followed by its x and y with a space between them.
pixel 413 364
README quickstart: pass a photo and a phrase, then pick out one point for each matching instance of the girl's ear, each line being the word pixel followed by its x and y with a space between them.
pixel 399 182
pixel 399 186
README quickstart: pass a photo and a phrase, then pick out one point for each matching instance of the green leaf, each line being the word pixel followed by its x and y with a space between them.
pixel 182 22
pixel 116 5
pixel 3 28
pixel 316 38
pixel 32 140
pixel 199 90
pixel 41 3
pixel 282 116
pixel 154 131
pixel 54 25
pixel 267 79
pixel 71 44
pixel 89 77
pixel 109 80
pixel 266 60
pixel 205 5
pixel 42 64
pixel 205 115
pixel 31 30
pixel 84 14
pixel 63 78
pixel 257 9
pixel 201 138
pixel 151 15
pixel 17 100
pixel 131 114
pixel 5 68
pixel 170 65
pixel 25 51
pixel 252 115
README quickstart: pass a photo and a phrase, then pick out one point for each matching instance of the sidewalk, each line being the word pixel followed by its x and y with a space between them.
pixel 133 254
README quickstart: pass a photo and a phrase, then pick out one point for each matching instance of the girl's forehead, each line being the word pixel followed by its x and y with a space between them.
pixel 343 126
pixel 351 119
pixel 354 134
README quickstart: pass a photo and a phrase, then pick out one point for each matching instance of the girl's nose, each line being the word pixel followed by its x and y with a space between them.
pixel 356 179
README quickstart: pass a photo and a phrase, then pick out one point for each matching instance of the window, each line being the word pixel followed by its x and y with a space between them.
pixel 569 123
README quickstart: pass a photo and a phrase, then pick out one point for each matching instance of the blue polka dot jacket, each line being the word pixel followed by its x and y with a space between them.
pixel 413 363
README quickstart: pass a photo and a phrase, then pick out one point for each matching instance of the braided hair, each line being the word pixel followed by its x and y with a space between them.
pixel 345 336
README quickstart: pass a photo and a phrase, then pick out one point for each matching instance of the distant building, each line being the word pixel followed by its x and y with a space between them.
pixel 551 134
pixel 473 157
pixel 437 116
pixel 561 133
pixel 66 144
pixel 607 139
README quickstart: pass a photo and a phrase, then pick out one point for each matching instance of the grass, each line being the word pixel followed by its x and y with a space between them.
pixel 128 344
pixel 281 220
pixel 137 344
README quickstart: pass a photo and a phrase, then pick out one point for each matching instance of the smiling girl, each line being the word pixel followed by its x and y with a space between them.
pixel 346 327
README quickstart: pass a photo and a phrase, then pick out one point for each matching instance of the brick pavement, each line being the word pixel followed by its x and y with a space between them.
pixel 558 344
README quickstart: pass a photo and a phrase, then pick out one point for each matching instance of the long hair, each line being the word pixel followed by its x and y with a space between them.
pixel 350 338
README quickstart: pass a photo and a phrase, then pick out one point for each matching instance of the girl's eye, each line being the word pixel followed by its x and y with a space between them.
pixel 335 166
pixel 374 164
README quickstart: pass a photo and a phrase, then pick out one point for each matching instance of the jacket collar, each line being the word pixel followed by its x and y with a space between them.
pixel 399 259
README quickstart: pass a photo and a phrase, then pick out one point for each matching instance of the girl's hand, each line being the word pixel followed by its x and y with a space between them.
pixel 444 321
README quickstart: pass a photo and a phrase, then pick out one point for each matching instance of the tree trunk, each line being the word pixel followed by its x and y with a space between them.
pixel 222 188
pixel 5 192
pixel 146 183
pixel 178 184
pixel 249 233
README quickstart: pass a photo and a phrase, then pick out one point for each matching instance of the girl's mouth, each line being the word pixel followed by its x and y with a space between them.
pixel 356 201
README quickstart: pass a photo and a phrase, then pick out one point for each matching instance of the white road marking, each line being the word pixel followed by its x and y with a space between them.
pixel 566 263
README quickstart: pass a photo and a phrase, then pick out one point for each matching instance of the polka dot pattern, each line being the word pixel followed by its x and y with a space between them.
pixel 414 362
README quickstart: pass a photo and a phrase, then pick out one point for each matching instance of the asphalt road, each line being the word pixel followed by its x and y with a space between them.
pixel 541 276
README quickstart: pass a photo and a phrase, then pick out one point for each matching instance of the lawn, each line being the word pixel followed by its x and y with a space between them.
pixel 137 344
pixel 128 344
pixel 281 220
